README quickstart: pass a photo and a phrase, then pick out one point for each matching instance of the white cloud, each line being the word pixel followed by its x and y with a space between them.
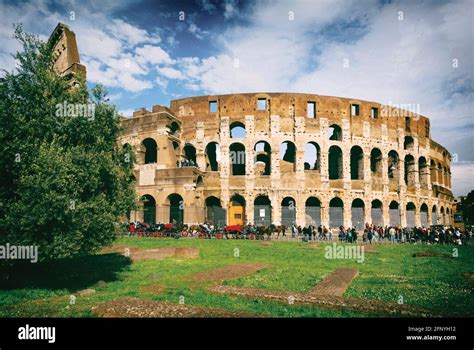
pixel 462 178
pixel 130 34
pixel 207 5
pixel 170 73
pixel 196 31
pixel 230 8
pixel 152 54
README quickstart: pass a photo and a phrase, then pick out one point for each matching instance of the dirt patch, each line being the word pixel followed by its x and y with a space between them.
pixel 187 253
pixel 323 301
pixel 265 244
pixel 430 254
pixel 336 283
pixel 370 250
pixel 134 307
pixel 120 249
pixel 162 253
pixel 468 275
pixel 153 289
pixel 221 274
pixel 312 246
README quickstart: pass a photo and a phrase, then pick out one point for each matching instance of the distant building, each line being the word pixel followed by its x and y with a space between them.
pixel 65 54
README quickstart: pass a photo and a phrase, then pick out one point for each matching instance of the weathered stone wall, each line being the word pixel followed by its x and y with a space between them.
pixel 285 119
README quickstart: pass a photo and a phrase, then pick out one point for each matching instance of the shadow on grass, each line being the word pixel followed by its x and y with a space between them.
pixel 73 274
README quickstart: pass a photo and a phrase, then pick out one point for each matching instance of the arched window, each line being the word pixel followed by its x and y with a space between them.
pixel 357 163
pixel 334 133
pixel 149 209
pixel 336 212
pixel 237 159
pixel 394 214
pixel 410 214
pixel 176 206
pixel 287 157
pixel 237 130
pixel 410 173
pixel 263 158
pixel 151 153
pixel 213 156
pixel 376 213
pixel 288 211
pixel 313 211
pixel 189 152
pixel 358 213
pixel 335 163
pixel 376 162
pixel 262 211
pixel 393 165
pixel 312 154
pixel 408 143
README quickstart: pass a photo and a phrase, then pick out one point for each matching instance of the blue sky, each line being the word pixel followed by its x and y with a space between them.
pixel 393 52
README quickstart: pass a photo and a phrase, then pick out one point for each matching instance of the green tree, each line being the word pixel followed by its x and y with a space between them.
pixel 65 180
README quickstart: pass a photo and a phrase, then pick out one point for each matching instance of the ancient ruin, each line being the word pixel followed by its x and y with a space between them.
pixel 280 158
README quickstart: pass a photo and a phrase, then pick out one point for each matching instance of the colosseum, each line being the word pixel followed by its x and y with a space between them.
pixel 283 158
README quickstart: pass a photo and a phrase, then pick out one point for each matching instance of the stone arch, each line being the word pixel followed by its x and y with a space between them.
pixel 213 156
pixel 189 153
pixel 313 211
pixel 312 156
pixel 262 210
pixel 176 207
pixel 237 159
pixel 336 212
pixel 358 213
pixel 237 130
pixel 149 209
pixel 424 215
pixel 150 150
pixel 376 212
pixel 357 163
pixel 410 173
pixel 263 158
pixel 394 213
pixel 411 214
pixel 334 133
pixel 237 214
pixel 335 163
pixel 434 215
pixel 215 214
pixel 408 143
pixel 376 162
pixel 393 165
pixel 287 157
pixel 288 211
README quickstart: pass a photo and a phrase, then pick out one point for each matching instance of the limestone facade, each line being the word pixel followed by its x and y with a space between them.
pixel 377 158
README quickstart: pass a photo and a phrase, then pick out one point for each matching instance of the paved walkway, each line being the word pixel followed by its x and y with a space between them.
pixel 336 283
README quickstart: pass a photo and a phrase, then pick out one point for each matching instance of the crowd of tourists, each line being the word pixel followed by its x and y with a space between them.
pixel 436 234
pixel 371 233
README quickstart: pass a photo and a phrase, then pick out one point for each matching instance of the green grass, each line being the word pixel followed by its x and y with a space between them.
pixel 433 283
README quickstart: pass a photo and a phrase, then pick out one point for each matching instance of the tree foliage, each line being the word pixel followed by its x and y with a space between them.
pixel 65 180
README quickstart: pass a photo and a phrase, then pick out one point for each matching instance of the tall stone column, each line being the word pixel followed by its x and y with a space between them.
pixel 324 167
pixel 249 210
pixel 276 208
pixel 346 166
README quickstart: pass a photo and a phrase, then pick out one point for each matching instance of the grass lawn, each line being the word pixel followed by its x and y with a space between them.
pixel 433 283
